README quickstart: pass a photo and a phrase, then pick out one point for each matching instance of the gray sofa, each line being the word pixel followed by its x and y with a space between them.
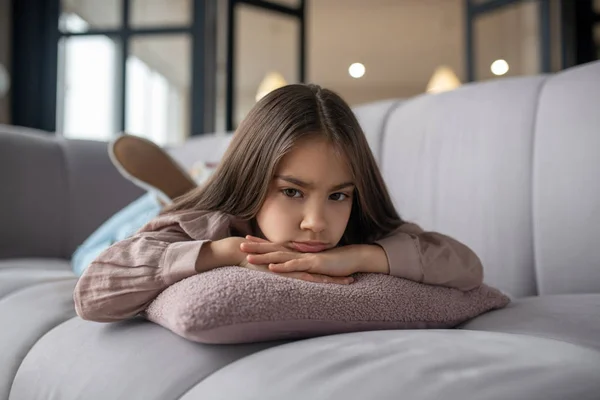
pixel 510 167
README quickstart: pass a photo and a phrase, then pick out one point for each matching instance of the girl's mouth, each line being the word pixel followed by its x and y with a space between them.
pixel 309 247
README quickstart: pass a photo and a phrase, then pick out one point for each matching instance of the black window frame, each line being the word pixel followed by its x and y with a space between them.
pixel 474 10
pixel 268 6
pixel 36 37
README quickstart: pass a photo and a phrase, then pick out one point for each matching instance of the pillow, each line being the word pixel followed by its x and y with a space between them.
pixel 238 305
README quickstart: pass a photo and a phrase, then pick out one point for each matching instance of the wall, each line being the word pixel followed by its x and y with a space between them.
pixel 5 45
pixel 401 43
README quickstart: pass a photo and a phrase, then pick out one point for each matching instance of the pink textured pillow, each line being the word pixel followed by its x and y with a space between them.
pixel 238 305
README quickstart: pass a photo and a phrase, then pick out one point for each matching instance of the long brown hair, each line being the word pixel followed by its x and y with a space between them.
pixel 241 181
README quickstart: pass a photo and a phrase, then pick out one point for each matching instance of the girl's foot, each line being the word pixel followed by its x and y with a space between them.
pixel 149 166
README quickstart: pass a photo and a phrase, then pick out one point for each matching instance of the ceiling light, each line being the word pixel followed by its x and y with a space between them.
pixel 443 79
pixel 273 80
pixel 499 67
pixel 356 70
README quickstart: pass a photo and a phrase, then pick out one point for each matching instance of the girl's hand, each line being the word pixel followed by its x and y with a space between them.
pixel 305 276
pixel 338 262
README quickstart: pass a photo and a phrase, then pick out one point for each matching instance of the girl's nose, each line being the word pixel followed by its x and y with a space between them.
pixel 314 220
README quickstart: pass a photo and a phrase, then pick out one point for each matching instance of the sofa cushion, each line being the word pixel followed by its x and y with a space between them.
pixel 238 305
pixel 19 273
pixel 27 315
pixel 570 318
pixel 415 365
pixel 130 360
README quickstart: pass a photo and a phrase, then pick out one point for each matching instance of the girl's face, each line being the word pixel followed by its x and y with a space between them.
pixel 309 200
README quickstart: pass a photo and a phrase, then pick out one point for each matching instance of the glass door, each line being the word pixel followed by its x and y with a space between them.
pixel 266 49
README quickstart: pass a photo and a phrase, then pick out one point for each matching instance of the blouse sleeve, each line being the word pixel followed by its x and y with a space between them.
pixel 431 258
pixel 123 280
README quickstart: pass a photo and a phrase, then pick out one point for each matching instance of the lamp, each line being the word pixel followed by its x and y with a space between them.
pixel 4 81
pixel 271 81
pixel 443 79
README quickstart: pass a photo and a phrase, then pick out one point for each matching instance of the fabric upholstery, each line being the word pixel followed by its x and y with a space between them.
pixel 16 274
pixel 27 315
pixel 33 191
pixel 460 162
pixel 566 185
pixel 89 174
pixel 54 192
pixel 132 360
pixel 423 365
pixel 569 318
pixel 373 118
pixel 208 148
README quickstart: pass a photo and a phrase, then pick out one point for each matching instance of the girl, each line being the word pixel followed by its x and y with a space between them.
pixel 298 193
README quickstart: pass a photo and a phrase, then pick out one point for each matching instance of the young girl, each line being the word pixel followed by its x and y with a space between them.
pixel 298 193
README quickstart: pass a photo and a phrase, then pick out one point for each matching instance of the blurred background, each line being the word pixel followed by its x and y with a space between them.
pixel 169 69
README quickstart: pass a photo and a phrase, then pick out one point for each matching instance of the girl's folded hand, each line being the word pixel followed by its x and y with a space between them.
pixel 304 276
pixel 335 262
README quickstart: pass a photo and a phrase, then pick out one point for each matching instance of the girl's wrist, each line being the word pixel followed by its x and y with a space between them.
pixel 371 258
pixel 233 254
pixel 220 253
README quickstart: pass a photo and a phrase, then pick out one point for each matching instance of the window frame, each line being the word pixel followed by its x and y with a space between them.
pixel 36 37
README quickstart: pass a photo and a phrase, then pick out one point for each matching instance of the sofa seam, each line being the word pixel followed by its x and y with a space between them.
pixel 397 103
pixel 19 290
pixel 532 198
pixel 67 200
pixel 537 335
pixel 32 347
pixel 185 392
pixel 37 340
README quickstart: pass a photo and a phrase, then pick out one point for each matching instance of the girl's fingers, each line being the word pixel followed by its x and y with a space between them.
pixel 256 239
pixel 341 280
pixel 331 279
pixel 259 248
pixel 276 257
pixel 317 278
pixel 297 264
pixel 301 266
pixel 305 276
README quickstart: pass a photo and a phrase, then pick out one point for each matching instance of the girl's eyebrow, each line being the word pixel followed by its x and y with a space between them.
pixel 310 185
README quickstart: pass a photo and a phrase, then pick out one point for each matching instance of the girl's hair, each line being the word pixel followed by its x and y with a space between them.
pixel 285 116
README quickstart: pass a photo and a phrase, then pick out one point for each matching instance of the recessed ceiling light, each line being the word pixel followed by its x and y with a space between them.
pixel 499 67
pixel 356 70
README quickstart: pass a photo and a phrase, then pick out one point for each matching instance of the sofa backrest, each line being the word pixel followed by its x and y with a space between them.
pixel 373 118
pixel 460 162
pixel 511 168
pixel 54 192
pixel 202 148
pixel 566 182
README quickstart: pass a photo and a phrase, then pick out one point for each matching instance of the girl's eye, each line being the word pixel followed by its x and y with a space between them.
pixel 294 193
pixel 338 196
